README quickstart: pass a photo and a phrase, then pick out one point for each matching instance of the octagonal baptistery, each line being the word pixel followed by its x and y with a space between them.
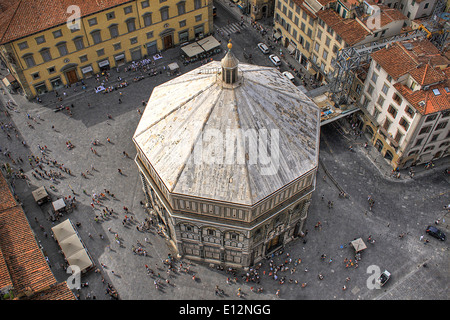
pixel 228 155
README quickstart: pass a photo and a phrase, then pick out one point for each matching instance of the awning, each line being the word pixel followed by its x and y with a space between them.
pixel 87 69
pixel 103 63
pixel 59 204
pixel 39 193
pixel 193 49
pixel 209 43
pixel 9 79
pixel 173 66
pixel 277 35
pixel 119 57
pixel 71 245
pixel 291 48
pixel 359 245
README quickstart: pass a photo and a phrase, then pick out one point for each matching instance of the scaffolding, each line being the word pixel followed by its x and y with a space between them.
pixel 350 59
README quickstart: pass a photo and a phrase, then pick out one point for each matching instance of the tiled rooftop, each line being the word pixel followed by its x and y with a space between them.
pixel 436 98
pixel 350 30
pixel 22 264
pixel 20 18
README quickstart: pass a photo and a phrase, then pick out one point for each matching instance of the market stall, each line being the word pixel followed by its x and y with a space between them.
pixel 71 245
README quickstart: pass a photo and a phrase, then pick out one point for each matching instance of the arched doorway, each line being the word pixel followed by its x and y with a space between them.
pixel 369 130
pixel 388 155
pixel 379 145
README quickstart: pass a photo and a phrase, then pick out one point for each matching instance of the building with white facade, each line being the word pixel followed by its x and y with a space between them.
pixel 406 103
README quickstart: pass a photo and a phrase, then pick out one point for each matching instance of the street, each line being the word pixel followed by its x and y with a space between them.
pixel 401 206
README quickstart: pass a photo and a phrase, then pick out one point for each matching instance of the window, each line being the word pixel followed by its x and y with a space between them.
pixel 387 124
pixel 57 34
pixel 198 18
pixel 23 45
pixel 389 78
pixel 327 42
pixel 436 92
pixel 335 49
pixel 211 232
pixel 197 4
pixel 79 44
pixel 398 136
pixel 133 40
pixel 309 33
pixel 404 123
pixel 380 100
pixel 35 76
pixel 325 55
pixel 117 46
pixel 302 27
pixel 96 36
pixel 145 4
pixel 40 39
pixel 110 15
pixel 376 113
pixel 434 137
pixel 147 19
pixel 409 111
pixel 45 54
pixel 418 142
pixel 425 130
pixel 92 22
pixel 51 70
pixel 29 60
pixel 62 48
pixel 307 46
pixel 445 114
pixel 397 98
pixel 114 30
pixel 128 10
pixel 392 111
pixel 370 89
pixel 374 77
pixel 131 25
pixel 100 52
pixel 431 118
pixel 164 13
pixel 378 67
pixel 385 89
pixel 441 125
pixel 83 58
pixel 316 47
pixel 150 35
pixel 181 8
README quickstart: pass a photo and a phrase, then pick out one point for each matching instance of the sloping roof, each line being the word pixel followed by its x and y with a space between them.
pixel 20 18
pixel 435 99
pixel 395 60
pixel 350 30
pixel 25 263
pixel 59 291
pixel 188 109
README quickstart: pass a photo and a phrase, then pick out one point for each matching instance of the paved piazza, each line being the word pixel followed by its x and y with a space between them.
pixel 402 206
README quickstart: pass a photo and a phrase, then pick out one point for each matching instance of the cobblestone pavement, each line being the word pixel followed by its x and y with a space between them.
pixel 402 205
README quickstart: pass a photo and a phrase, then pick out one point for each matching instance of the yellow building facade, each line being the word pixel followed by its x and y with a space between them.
pixel 126 31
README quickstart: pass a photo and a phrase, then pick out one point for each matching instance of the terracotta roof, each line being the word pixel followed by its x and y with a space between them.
pixel 426 75
pixel 411 57
pixel 20 18
pixel 395 60
pixel 350 30
pixel 435 99
pixel 58 291
pixel 25 264
pixel 5 279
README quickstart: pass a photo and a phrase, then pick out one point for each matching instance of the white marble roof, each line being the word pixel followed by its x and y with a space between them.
pixel 188 111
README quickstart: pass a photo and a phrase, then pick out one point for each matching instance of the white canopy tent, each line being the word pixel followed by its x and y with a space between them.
pixel 208 43
pixel 71 245
pixel 193 49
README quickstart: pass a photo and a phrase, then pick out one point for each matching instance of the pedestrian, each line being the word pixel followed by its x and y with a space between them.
pixel 120 171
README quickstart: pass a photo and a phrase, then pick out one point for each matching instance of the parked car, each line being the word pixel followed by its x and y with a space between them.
pixel 289 75
pixel 263 48
pixel 383 278
pixel 435 232
pixel 275 60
